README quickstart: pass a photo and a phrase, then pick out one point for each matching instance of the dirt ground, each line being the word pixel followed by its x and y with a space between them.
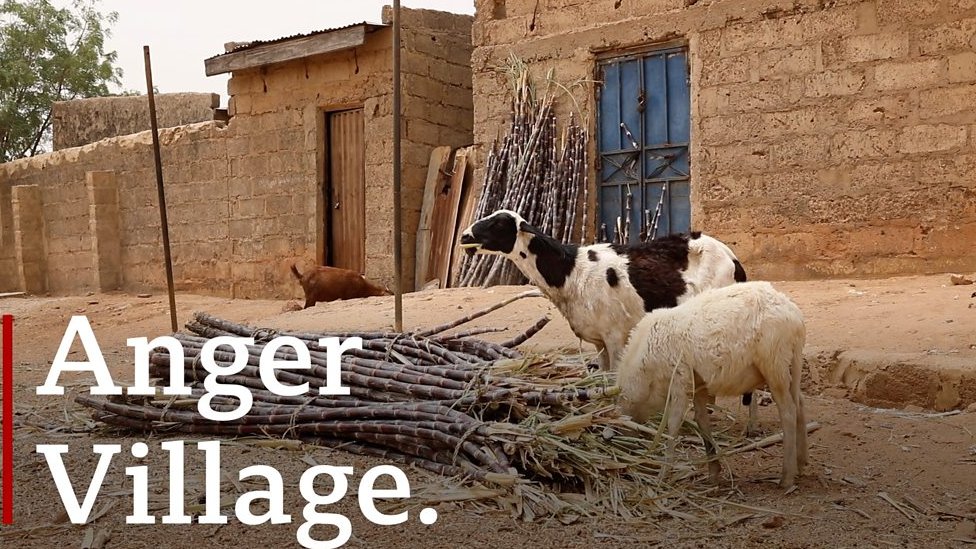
pixel 879 477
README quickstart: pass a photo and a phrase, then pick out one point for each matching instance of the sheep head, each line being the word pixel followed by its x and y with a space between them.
pixel 498 233
pixel 542 259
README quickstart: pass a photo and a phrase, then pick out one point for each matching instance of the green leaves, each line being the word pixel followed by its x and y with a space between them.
pixel 48 54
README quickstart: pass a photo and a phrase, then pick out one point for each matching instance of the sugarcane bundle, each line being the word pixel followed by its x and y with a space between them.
pixel 525 423
pixel 542 431
pixel 534 169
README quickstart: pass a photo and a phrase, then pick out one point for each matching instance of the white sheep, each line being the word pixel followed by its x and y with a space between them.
pixel 724 342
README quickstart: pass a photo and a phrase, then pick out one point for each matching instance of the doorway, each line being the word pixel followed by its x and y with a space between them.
pixel 345 190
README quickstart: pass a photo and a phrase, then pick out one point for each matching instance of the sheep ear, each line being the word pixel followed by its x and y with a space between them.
pixel 525 227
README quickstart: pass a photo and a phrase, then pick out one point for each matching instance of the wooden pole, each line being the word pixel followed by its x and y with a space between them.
pixel 397 209
pixel 164 223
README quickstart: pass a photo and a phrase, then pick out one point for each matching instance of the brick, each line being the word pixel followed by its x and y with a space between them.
pixel 914 74
pixel 931 138
pixel 863 48
pixel 770 95
pixel 947 37
pixel 450 73
pixel 882 110
pixel 872 143
pixel 793 30
pixel 799 152
pixel 243 104
pixel 788 61
pixel 892 12
pixel 277 205
pixel 797 121
pixel 962 67
pixel 954 101
pixel 953 170
pixel 27 207
pixel 423 132
pixel 827 83
pixel 735 159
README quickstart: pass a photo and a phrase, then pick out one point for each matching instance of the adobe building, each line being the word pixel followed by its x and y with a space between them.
pixel 817 138
pixel 301 172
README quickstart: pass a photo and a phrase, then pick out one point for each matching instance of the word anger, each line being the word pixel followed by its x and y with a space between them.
pixel 281 353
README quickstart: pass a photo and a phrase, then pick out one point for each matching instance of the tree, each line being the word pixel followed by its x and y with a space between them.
pixel 48 54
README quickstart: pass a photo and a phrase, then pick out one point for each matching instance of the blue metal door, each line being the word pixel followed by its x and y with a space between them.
pixel 643 133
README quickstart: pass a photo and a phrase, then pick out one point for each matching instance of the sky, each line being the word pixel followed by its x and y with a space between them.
pixel 182 33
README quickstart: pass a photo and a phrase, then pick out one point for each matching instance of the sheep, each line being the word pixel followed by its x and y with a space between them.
pixel 724 342
pixel 332 283
pixel 603 290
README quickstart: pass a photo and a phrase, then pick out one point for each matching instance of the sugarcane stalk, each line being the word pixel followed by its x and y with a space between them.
pixel 476 314
pixel 531 331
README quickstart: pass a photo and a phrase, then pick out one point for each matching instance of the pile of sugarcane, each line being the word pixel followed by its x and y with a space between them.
pixel 542 432
pixel 535 170
pixel 536 435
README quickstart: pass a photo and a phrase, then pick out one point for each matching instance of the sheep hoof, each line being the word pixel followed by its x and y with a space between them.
pixel 592 366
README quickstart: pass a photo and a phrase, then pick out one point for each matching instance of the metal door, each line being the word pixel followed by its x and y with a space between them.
pixel 644 121
pixel 345 191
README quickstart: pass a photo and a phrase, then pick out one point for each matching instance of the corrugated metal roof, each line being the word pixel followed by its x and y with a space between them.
pixel 253 44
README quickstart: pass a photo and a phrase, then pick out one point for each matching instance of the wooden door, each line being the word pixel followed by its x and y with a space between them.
pixel 345 191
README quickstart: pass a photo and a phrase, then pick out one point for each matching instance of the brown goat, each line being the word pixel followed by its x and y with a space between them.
pixel 332 283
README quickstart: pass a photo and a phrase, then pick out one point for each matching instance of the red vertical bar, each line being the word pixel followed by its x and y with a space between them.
pixel 8 420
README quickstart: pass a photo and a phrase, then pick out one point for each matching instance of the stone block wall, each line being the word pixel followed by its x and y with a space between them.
pixel 437 106
pixel 828 139
pixel 99 207
pixel 283 108
pixel 8 258
pixel 83 121
pixel 29 244
pixel 244 199
pixel 103 227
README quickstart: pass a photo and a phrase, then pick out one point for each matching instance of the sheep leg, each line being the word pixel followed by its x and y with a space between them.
pixel 702 400
pixel 675 411
pixel 788 419
pixel 752 424
pixel 614 348
pixel 801 437
pixel 309 303
pixel 796 372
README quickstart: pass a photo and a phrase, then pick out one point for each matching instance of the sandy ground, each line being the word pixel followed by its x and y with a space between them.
pixel 862 458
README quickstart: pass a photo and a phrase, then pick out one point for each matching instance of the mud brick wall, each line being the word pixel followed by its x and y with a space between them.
pixel 83 121
pixel 437 106
pixel 277 167
pixel 282 108
pixel 8 256
pixel 244 198
pixel 828 138
pixel 102 229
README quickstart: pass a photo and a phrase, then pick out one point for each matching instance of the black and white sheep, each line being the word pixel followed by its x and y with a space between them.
pixel 603 290
pixel 724 342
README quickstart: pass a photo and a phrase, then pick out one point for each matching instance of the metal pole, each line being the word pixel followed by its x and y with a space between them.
pixel 397 211
pixel 159 187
